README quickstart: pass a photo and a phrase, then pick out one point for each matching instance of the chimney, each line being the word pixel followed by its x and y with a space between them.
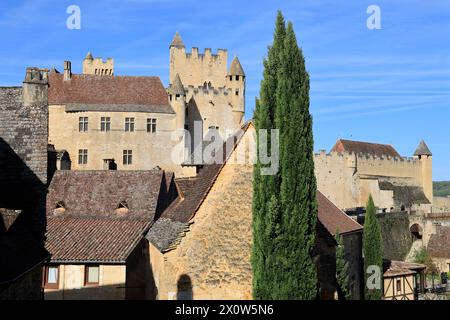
pixel 67 70
pixel 35 87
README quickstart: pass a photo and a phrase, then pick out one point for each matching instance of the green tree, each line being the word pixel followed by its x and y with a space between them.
pixel 285 206
pixel 341 269
pixel 373 249
pixel 266 216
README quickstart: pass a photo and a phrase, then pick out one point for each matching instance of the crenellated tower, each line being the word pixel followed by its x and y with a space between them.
pixel 425 156
pixel 97 66
pixel 215 95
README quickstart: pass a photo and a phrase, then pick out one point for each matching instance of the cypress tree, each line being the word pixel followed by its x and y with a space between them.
pixel 341 269
pixel 265 189
pixel 373 249
pixel 284 205
pixel 296 275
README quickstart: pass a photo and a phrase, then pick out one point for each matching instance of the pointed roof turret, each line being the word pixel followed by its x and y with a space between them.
pixel 423 150
pixel 177 86
pixel 236 68
pixel 177 42
pixel 89 56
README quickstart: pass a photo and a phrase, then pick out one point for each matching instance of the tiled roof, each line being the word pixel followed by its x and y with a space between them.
pixel 177 41
pixel 438 246
pixel 236 68
pixel 332 218
pixel 405 195
pixel 99 193
pixel 119 93
pixel 376 149
pixel 423 150
pixel 80 239
pixel 392 268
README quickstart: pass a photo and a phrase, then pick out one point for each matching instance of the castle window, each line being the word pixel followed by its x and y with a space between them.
pixel 237 92
pixel 177 96
pixel 129 124
pixel 127 157
pixel 82 156
pixel 105 124
pixel 151 125
pixel 237 78
pixel 83 124
pixel 231 78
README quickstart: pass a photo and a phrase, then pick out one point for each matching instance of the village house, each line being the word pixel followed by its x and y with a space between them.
pixel 402 280
pixel 200 247
pixel 96 222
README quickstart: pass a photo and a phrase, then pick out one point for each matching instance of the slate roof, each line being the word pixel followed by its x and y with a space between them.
pixel 108 93
pixel 236 68
pixel 99 193
pixel 177 41
pixel 438 245
pixel 405 195
pixel 376 149
pixel 423 150
pixel 332 218
pixel 177 86
pixel 87 239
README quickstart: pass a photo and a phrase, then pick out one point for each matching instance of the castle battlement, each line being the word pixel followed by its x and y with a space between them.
pixel 194 54
pixel 195 90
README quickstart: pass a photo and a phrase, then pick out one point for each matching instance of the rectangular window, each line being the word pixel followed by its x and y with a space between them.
pixel 151 125
pixel 399 285
pixel 129 124
pixel 83 124
pixel 51 277
pixel 127 157
pixel 237 78
pixel 82 156
pixel 91 275
pixel 105 124
pixel 237 92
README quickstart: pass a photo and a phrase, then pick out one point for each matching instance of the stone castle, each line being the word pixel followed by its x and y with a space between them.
pixel 106 121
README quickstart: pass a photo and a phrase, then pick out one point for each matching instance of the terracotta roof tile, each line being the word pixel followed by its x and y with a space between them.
pixel 376 149
pixel 99 193
pixel 333 218
pixel 77 239
pixel 141 93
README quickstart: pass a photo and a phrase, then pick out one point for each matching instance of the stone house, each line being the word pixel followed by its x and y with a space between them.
pixel 23 181
pixel 200 247
pixel 96 221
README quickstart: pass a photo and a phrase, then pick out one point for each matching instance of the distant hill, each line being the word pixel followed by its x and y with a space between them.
pixel 441 188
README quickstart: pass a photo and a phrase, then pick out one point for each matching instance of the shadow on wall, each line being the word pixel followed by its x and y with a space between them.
pixel 22 226
pixel 184 288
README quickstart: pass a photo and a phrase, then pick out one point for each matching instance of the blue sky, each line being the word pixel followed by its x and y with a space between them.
pixel 388 86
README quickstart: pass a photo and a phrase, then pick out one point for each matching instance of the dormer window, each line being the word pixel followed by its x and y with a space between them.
pixel 122 208
pixel 60 208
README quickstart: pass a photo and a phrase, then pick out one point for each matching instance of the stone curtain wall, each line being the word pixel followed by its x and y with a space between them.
pixel 396 236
